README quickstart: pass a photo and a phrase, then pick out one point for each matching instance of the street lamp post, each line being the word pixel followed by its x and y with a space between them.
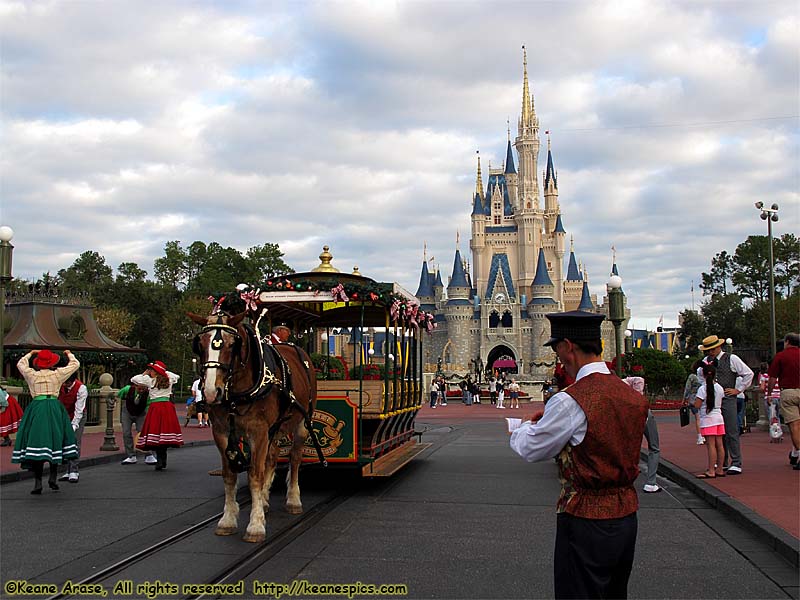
pixel 616 314
pixel 6 254
pixel 769 215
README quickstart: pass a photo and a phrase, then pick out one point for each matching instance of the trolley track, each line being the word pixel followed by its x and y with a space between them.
pixel 240 566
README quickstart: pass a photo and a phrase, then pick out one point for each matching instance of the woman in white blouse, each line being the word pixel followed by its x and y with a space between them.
pixel 161 429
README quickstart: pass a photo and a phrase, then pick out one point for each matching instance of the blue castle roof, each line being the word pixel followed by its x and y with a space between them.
pixel 425 288
pixel 559 228
pixel 572 270
pixel 510 160
pixel 477 205
pixel 586 300
pixel 500 263
pixel 498 180
pixel 550 174
pixel 459 279
pixel 542 277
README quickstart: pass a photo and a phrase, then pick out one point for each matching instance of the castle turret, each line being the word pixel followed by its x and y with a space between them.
pixel 542 288
pixel 477 242
pixel 551 208
pixel 573 282
pixel 425 291
pixel 586 300
pixel 458 311
pixel 527 144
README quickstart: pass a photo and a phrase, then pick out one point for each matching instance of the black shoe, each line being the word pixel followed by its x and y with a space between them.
pixel 6 442
pixel 37 490
pixel 53 486
pixel 796 467
pixel 793 459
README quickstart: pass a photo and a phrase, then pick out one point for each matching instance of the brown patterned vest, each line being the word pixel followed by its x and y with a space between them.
pixel 597 475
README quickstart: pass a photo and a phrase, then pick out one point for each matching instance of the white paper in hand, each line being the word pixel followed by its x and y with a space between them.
pixel 513 423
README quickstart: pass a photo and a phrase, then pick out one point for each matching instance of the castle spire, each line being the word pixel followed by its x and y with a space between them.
pixel 550 173
pixel 479 179
pixel 527 105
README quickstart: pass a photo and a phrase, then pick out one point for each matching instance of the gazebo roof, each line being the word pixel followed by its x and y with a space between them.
pixel 39 324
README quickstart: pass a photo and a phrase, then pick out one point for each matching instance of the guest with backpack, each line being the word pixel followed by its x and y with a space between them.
pixel 132 412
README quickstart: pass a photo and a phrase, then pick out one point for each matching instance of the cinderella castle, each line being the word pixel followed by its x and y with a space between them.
pixel 494 317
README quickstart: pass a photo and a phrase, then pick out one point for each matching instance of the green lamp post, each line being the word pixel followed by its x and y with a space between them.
pixel 6 254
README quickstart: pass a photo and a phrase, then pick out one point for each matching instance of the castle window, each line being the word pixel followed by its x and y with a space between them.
pixel 497 219
pixel 507 320
pixel 494 319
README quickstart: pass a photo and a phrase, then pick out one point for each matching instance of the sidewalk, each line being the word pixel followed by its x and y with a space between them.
pixel 91 443
pixel 765 498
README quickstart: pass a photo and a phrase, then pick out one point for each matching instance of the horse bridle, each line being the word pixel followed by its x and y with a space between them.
pixel 216 343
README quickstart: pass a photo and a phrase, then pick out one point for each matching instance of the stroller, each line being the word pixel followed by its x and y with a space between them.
pixel 775 429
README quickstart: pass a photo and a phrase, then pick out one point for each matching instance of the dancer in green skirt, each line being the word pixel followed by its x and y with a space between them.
pixel 45 434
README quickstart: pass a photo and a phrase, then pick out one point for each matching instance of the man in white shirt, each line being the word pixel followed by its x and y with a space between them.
pixel 597 522
pixel 73 395
pixel 735 377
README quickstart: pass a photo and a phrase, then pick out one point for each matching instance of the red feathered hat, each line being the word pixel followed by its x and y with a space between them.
pixel 46 359
pixel 159 367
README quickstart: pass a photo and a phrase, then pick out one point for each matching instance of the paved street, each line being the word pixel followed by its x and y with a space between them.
pixel 467 519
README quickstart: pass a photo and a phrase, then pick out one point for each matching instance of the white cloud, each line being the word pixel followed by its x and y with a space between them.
pixel 306 124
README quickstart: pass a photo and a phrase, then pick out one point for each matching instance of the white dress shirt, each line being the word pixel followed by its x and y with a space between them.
pixel 744 373
pixel 563 422
pixel 80 405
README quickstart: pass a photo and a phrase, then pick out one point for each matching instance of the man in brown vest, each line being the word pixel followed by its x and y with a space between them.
pixel 594 427
pixel 73 395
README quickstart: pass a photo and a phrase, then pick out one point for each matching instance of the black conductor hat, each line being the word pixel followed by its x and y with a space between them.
pixel 575 325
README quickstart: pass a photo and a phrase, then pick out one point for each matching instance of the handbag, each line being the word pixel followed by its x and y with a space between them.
pixel 684 414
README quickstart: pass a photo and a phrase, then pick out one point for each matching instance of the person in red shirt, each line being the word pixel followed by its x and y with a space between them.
pixel 785 368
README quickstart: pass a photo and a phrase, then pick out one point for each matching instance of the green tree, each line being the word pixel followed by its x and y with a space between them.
pixel 692 330
pixel 659 369
pixel 716 281
pixel 177 334
pixel 89 273
pixel 723 315
pixel 750 276
pixel 266 262
pixel 116 323
pixel 787 263
pixel 756 318
pixel 222 270
pixel 129 273
pixel 170 269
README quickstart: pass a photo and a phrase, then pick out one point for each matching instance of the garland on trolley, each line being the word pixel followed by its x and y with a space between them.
pixel 401 310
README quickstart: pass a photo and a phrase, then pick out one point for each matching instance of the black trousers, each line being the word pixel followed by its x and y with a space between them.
pixel 593 558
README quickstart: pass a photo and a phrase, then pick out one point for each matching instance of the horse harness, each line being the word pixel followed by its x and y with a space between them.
pixel 266 362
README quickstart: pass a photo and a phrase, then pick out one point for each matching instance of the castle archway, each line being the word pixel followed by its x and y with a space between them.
pixel 502 359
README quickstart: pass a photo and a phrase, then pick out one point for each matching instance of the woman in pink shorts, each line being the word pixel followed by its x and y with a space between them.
pixel 712 426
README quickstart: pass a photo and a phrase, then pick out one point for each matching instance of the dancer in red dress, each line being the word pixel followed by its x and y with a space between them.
pixel 10 416
pixel 161 429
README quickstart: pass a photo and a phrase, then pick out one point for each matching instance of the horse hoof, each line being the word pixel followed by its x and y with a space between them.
pixel 254 538
pixel 294 509
pixel 225 530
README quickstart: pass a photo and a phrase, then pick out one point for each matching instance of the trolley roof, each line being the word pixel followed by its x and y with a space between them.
pixel 312 299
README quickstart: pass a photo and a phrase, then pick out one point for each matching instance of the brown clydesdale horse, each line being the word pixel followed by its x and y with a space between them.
pixel 254 401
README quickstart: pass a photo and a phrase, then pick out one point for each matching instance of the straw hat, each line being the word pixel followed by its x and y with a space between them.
pixel 710 343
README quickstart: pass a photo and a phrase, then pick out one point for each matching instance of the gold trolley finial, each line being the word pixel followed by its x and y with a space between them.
pixel 325 265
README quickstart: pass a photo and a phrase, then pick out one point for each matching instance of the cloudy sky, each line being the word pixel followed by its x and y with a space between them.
pixel 129 124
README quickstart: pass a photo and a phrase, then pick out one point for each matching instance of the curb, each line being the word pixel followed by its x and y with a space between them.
pixel 779 540
pixel 91 461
